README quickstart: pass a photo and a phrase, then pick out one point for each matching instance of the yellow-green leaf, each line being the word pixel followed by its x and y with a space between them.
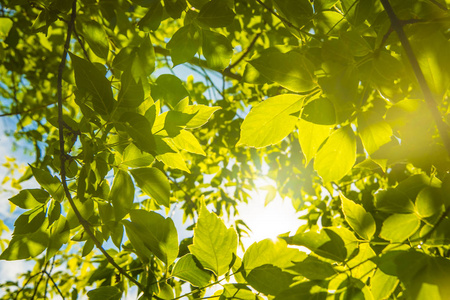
pixel 270 121
pixel 337 156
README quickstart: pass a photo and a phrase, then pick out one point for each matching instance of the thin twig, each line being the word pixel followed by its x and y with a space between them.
pixel 284 20
pixel 247 51
pixel 80 218
pixel 54 284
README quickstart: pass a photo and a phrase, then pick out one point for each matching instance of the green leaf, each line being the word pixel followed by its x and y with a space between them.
pixel 188 269
pixel 399 227
pixel 95 36
pixel 187 141
pixel 30 198
pixel 297 12
pixel 59 235
pixel 30 221
pixel 374 131
pixel 140 130
pixel 382 285
pixel 201 114
pixel 154 183
pixel 5 26
pixel 326 243
pixel 175 7
pixel 105 293
pixel 291 70
pixel 357 217
pixel 131 93
pixel 49 183
pixel 270 121
pixel 122 194
pixel 311 136
pixel 314 290
pixel 169 154
pixel 337 156
pixel 217 49
pixel 313 268
pixel 429 202
pixel 214 244
pixel 184 44
pixel 149 231
pixel 25 246
pixel 393 201
pixel 135 158
pixel 415 183
pixel 216 13
pixel 91 81
pixel 144 59
pixel 169 88
pixel 319 111
pixel 235 291
pixel 276 253
pixel 153 17
pixel 269 279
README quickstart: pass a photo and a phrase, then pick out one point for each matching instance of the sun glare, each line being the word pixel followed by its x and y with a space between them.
pixel 278 217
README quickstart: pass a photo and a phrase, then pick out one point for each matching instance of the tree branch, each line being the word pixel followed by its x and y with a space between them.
pixel 80 218
pixel 397 25
pixel 247 51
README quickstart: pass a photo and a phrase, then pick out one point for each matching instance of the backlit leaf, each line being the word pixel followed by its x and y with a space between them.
pixel 187 141
pixel 91 81
pixel 217 49
pixel 216 13
pixel 357 217
pixel 429 202
pixel 155 233
pixel 214 243
pixel 374 131
pixel 187 269
pixel 95 36
pixel 154 183
pixel 30 198
pixel 291 70
pixel 122 194
pixel 49 182
pixel 399 227
pixel 393 201
pixel 337 156
pixel 184 44
pixel 270 121
pixel 311 136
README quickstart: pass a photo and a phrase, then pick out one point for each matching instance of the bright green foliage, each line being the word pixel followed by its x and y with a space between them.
pixel 187 268
pixel 164 114
pixel 150 232
pixel 337 156
pixel 214 244
pixel 356 216
pixel 258 130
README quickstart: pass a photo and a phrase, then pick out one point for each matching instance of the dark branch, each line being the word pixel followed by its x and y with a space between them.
pixel 80 218
pixel 397 25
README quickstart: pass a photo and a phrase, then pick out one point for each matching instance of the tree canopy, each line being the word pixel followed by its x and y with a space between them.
pixel 344 104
